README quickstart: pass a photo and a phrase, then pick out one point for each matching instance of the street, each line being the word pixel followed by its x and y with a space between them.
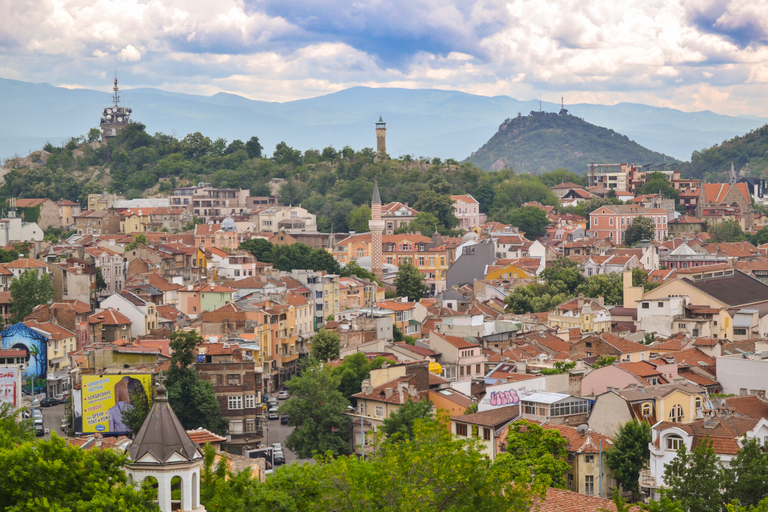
pixel 52 420
pixel 276 433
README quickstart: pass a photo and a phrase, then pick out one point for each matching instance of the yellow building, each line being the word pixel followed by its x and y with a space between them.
pixel 586 314
pixel 510 271
pixel 676 402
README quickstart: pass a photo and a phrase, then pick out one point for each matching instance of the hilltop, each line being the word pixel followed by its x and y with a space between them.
pixel 544 141
pixel 748 154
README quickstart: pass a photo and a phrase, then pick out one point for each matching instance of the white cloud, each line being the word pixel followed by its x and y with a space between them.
pixel 662 52
pixel 130 54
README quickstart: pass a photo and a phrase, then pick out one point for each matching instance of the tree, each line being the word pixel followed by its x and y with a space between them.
pixel 326 345
pixel 133 417
pixel 357 219
pixel 353 269
pixel 425 223
pixel 658 183
pixel 727 231
pixel 642 228
pixel 629 454
pixel 747 480
pixel 431 472
pixel 353 370
pixel 101 284
pixel 538 452
pixel 609 286
pixel 193 400
pixel 439 205
pixel 94 134
pixel 28 291
pixel 530 219
pixel 535 298
pixel 12 430
pixel 222 490
pixel 139 240
pixel 51 475
pixel 259 247
pixel 695 478
pixel 320 259
pixel 563 276
pixel 401 422
pixel 318 413
pixel 409 282
pixel 604 361
pixel 253 147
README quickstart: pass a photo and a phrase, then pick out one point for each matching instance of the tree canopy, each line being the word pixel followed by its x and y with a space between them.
pixel 401 422
pixel 629 454
pixel 410 283
pixel 28 291
pixel 642 228
pixel 326 345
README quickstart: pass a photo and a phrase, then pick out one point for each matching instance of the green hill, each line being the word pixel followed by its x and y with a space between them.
pixel 748 154
pixel 544 141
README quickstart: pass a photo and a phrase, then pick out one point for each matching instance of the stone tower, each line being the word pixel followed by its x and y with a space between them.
pixel 114 118
pixel 376 225
pixel 381 137
pixel 163 450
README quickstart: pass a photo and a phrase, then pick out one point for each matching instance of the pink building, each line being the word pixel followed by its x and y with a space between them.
pixel 611 221
pixel 467 210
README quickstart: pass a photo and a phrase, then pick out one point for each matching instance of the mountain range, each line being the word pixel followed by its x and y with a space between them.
pixel 420 122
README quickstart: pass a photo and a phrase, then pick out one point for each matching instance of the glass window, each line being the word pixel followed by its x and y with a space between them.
pixel 461 429
pixel 235 402
pixel 250 401
pixel 589 485
pixel 674 442
pixel 676 414
pixel 379 411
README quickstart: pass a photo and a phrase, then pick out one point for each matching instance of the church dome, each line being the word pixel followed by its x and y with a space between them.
pixel 228 224
pixel 470 236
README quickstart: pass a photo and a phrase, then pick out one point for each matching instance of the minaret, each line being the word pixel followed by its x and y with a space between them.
pixel 381 137
pixel 376 225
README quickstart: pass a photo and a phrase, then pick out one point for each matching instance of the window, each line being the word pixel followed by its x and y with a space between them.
pixel 235 402
pixel 461 371
pixel 486 434
pixel 674 442
pixel 359 253
pixel 461 429
pixel 589 459
pixel 739 332
pixel 233 379
pixel 589 485
pixel 676 414
pixel 477 368
pixel 646 305
pixel 610 221
pixel 379 411
pixel 596 219
pixel 250 401
pixel 588 344
pixel 570 482
pixel 250 425
pixel 698 402
pixel 660 304
pixel 236 427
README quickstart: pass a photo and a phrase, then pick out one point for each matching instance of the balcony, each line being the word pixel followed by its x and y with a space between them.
pixel 289 358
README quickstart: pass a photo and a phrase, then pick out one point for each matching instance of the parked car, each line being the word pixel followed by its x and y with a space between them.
pixel 48 402
pixel 265 398
pixel 36 413
pixel 272 413
pixel 39 428
pixel 284 419
pixel 277 446
pixel 279 457
pixel 283 395
pixel 272 403
pixel 62 398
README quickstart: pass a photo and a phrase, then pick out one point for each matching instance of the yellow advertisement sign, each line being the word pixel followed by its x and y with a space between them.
pixel 105 397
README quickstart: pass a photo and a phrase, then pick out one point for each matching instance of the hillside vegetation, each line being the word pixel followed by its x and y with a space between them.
pixel 333 184
pixel 748 153
pixel 543 141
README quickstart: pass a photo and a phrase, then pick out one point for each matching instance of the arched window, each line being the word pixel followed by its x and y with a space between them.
pixel 674 442
pixel 646 409
pixel 698 402
pixel 676 414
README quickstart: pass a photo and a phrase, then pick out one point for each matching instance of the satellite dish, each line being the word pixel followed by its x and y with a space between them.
pixel 109 117
pixel 119 119
pixel 582 429
pixel 129 110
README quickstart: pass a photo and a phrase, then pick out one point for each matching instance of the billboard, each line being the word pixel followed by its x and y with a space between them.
pixel 9 386
pixel 34 344
pixel 105 397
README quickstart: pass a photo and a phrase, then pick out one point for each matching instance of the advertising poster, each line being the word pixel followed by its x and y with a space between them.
pixel 34 344
pixel 9 383
pixel 105 397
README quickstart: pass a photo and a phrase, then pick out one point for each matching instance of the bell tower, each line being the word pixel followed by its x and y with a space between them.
pixel 381 137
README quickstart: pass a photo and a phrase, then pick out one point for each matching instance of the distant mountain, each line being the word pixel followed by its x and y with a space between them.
pixel 544 141
pixel 431 123
pixel 747 153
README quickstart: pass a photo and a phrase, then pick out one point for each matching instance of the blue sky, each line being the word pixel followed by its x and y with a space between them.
pixel 686 54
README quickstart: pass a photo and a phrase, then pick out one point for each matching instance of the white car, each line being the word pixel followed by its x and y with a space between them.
pixel 277 446
pixel 283 395
pixel 272 413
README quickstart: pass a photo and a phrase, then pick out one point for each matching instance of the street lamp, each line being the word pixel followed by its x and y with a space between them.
pixel 362 433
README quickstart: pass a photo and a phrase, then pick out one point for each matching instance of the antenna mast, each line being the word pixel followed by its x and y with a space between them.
pixel 115 89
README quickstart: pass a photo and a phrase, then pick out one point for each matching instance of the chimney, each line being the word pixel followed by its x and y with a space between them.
pixel 388 392
pixel 412 391
pixel 580 300
pixel 367 387
pixel 669 359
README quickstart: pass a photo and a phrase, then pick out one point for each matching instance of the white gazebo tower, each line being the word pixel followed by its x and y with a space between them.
pixel 163 450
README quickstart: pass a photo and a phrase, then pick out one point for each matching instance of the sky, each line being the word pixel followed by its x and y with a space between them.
pixel 686 54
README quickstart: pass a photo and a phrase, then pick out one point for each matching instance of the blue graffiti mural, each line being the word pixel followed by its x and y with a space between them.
pixel 33 343
pixel 500 398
